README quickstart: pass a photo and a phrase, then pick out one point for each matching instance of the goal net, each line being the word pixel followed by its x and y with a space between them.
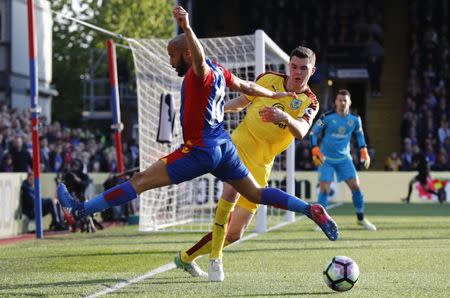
pixel 190 206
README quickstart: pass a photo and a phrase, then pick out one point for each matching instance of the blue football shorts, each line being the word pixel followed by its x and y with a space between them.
pixel 344 169
pixel 187 163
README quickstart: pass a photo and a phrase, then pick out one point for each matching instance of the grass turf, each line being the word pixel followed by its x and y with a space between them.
pixel 409 256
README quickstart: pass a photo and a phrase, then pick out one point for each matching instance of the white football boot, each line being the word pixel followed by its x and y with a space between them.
pixel 192 268
pixel 216 270
pixel 367 225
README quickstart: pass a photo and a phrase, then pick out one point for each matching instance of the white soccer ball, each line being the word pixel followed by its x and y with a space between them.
pixel 341 273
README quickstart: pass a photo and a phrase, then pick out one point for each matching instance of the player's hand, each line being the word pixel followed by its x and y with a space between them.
pixel 364 157
pixel 317 156
pixel 272 114
pixel 277 95
pixel 181 16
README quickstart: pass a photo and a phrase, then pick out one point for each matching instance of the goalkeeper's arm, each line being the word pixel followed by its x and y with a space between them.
pixel 364 155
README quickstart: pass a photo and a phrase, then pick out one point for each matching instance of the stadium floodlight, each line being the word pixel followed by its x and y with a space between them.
pixel 190 206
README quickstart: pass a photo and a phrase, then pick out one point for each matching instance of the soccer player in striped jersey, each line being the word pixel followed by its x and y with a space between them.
pixel 267 129
pixel 333 156
pixel 207 147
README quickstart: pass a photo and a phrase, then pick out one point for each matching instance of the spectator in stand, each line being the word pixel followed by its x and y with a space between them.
pixel 44 154
pixel 443 131
pixel 429 152
pixel 56 159
pixel 374 52
pixel 407 155
pixel 7 163
pixel 442 163
pixel 2 151
pixel 21 158
pixel 375 29
pixel 393 162
pixel 49 206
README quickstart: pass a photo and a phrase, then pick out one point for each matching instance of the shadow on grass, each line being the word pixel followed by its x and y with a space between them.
pixel 98 254
pixel 282 294
pixel 131 241
pixel 390 209
pixel 343 238
pixel 64 284
pixel 297 249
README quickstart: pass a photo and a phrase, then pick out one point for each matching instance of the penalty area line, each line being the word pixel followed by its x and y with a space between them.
pixel 171 265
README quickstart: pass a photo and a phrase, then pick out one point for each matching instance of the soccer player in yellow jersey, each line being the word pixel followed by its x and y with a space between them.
pixel 268 128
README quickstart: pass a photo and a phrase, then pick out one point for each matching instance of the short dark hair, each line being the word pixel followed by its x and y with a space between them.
pixel 304 52
pixel 344 92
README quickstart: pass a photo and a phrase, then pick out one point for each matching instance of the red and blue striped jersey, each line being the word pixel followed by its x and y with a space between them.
pixel 202 106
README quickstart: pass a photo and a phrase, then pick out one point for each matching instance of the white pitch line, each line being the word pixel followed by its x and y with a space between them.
pixel 170 266
pixel 123 284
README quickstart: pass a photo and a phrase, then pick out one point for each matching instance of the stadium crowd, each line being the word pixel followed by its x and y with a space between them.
pixel 59 146
pixel 425 126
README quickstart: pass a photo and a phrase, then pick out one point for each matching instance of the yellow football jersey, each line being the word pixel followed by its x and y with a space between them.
pixel 262 141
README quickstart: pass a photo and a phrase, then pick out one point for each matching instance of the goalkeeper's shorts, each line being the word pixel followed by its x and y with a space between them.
pixel 187 163
pixel 345 170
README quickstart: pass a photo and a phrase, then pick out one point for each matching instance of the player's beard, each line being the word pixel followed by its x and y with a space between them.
pixel 182 68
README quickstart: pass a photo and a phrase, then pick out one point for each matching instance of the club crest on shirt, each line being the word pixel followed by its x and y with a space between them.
pixel 296 103
pixel 350 122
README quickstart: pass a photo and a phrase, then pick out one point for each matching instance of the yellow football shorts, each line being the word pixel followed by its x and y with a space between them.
pixel 261 174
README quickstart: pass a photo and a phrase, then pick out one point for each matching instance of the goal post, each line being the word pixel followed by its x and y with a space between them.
pixel 190 206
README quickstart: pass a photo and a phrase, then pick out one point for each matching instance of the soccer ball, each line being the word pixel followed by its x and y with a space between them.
pixel 341 273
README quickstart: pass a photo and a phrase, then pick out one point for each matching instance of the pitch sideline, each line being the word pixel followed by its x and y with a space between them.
pixel 171 265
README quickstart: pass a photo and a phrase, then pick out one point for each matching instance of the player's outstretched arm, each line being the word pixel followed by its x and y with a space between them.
pixel 251 88
pixel 198 54
pixel 236 104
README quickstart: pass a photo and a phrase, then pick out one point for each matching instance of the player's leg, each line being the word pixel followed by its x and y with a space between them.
pixel 427 185
pixel 225 206
pixel 410 188
pixel 347 172
pixel 181 165
pixel 239 221
pixel 237 224
pixel 280 199
pixel 154 176
pixel 229 195
pixel 242 216
pixel 326 175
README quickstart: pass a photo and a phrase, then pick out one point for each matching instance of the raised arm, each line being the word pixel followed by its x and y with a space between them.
pixel 254 89
pixel 197 53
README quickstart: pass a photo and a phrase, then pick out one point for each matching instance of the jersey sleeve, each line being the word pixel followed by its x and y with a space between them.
pixel 316 130
pixel 229 77
pixel 359 134
pixel 312 110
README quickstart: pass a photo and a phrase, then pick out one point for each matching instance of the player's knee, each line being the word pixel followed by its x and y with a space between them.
pixel 233 236
pixel 138 181
pixel 255 195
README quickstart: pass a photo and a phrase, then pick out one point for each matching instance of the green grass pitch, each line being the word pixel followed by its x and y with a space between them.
pixel 409 256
